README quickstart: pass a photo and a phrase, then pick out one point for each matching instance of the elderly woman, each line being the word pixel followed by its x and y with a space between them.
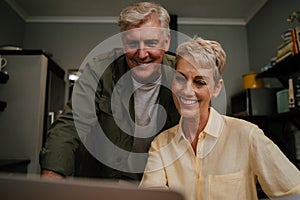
pixel 209 155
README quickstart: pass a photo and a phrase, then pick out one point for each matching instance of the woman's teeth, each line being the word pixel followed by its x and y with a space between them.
pixel 188 102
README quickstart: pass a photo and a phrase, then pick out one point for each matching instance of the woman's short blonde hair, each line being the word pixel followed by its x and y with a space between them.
pixel 137 13
pixel 206 53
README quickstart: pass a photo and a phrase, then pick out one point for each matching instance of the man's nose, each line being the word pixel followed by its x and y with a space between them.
pixel 142 51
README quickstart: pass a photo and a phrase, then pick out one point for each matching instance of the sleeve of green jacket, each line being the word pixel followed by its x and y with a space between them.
pixel 66 133
pixel 62 142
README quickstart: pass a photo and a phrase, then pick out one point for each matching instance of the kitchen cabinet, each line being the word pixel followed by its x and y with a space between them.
pixel 283 128
pixel 35 88
pixel 3 79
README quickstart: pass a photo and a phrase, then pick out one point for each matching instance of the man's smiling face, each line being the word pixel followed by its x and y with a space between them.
pixel 144 47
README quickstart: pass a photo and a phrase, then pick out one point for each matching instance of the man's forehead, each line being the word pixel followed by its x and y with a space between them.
pixel 143 33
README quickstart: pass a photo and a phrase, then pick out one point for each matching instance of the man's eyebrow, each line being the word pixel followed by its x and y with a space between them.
pixel 152 40
pixel 134 41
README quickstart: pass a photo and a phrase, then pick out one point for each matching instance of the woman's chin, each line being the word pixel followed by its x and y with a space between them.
pixel 190 114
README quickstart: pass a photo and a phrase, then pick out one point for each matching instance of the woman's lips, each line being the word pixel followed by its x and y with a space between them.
pixel 185 101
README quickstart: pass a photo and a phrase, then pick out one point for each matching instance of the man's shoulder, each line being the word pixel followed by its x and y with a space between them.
pixel 106 57
pixel 105 62
pixel 169 59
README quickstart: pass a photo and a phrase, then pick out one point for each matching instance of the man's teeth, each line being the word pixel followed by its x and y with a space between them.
pixel 188 102
pixel 145 63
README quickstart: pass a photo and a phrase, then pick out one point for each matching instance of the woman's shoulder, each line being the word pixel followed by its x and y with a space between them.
pixel 242 127
pixel 238 122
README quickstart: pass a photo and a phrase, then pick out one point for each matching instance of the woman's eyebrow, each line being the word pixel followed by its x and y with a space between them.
pixel 202 77
pixel 178 72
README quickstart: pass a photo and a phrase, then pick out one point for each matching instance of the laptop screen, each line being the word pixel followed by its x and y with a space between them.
pixel 16 187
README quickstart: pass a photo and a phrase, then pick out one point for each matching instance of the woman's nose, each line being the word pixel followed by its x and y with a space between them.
pixel 188 89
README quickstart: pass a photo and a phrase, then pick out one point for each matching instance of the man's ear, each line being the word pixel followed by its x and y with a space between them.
pixel 218 88
pixel 167 42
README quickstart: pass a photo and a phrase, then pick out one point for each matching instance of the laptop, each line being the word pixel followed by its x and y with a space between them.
pixel 27 187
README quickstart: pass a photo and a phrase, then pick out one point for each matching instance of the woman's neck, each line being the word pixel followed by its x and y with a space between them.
pixel 192 127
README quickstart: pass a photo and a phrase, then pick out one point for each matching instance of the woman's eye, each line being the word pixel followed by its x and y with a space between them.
pixel 200 83
pixel 180 79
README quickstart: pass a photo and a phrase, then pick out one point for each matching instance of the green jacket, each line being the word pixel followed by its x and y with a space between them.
pixel 102 101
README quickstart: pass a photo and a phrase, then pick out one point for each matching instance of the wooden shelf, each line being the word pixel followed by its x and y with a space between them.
pixel 14 166
pixel 289 65
pixel 283 69
pixel 290 114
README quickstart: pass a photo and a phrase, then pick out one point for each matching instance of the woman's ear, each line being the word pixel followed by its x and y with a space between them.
pixel 218 88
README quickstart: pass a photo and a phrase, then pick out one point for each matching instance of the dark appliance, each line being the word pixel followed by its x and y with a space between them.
pixel 254 102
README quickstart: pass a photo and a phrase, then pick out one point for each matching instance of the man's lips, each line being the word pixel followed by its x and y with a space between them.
pixel 142 63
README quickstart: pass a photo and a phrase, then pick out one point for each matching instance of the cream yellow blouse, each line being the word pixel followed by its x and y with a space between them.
pixel 231 156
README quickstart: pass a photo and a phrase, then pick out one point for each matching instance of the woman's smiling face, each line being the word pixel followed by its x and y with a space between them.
pixel 193 87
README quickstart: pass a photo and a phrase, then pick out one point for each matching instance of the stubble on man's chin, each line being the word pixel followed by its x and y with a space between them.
pixel 146 79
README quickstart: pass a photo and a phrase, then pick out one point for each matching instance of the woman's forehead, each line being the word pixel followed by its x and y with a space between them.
pixel 189 62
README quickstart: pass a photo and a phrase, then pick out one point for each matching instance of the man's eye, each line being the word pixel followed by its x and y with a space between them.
pixel 151 43
pixel 132 44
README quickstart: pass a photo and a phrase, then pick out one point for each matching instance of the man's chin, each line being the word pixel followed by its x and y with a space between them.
pixel 144 77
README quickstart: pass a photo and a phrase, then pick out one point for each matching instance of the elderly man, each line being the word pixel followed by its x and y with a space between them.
pixel 105 128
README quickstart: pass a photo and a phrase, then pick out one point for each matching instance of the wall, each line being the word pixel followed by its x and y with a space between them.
pixel 265 29
pixel 69 43
pixel 234 41
pixel 248 47
pixel 12 26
